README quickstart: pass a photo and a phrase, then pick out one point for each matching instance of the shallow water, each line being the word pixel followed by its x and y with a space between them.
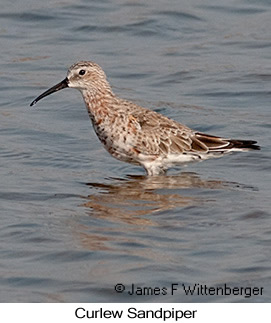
pixel 74 221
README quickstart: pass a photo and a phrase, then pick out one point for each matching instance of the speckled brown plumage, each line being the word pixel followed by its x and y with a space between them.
pixel 138 135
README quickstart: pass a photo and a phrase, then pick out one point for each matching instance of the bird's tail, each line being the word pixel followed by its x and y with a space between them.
pixel 217 144
pixel 243 144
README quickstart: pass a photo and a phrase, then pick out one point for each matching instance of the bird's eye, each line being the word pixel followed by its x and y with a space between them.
pixel 82 72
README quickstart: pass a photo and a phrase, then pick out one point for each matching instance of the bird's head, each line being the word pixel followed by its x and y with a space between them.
pixel 84 76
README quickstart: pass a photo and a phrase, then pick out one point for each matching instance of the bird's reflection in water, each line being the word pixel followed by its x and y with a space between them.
pixel 132 198
pixel 123 211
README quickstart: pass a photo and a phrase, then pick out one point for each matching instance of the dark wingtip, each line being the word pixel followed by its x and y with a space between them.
pixel 245 144
pixel 256 147
pixel 220 144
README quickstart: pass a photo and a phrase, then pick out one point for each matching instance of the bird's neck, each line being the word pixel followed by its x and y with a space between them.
pixel 98 103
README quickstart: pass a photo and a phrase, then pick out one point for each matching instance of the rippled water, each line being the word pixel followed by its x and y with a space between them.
pixel 74 221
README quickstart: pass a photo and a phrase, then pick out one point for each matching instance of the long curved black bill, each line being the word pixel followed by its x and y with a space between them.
pixel 62 85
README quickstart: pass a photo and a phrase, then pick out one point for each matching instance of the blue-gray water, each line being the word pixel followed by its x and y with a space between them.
pixel 74 221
